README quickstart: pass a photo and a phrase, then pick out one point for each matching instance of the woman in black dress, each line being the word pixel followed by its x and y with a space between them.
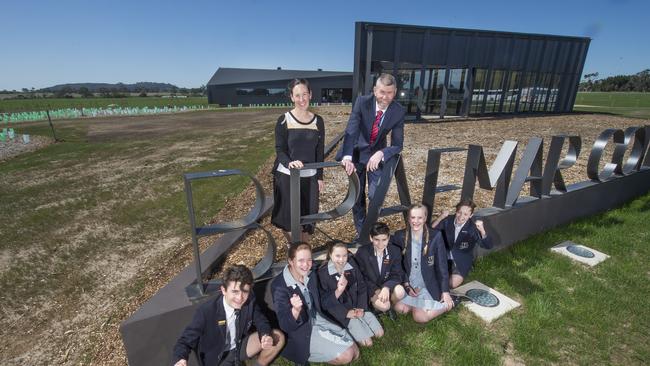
pixel 299 139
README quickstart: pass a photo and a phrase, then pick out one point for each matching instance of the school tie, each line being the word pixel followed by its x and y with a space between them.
pixel 375 127
pixel 229 336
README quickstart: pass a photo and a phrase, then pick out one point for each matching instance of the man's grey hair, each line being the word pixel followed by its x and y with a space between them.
pixel 386 80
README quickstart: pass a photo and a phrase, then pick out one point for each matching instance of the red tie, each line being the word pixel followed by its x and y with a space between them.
pixel 375 127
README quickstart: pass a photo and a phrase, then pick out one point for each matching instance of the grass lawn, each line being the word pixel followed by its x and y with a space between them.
pixel 570 313
pixel 627 104
pixel 41 104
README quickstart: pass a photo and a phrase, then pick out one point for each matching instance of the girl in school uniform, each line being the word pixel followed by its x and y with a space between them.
pixel 461 234
pixel 345 296
pixel 311 335
pixel 424 260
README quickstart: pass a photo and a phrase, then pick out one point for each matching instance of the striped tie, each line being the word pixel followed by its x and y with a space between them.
pixel 375 127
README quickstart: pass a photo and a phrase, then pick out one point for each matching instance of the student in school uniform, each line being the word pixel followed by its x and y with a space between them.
pixel 462 234
pixel 221 332
pixel 345 296
pixel 381 265
pixel 311 335
pixel 424 260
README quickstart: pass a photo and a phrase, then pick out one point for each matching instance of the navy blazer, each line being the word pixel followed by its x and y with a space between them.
pixel 433 260
pixel 462 249
pixel 298 331
pixel 206 334
pixel 391 269
pixel 357 133
pixel 354 296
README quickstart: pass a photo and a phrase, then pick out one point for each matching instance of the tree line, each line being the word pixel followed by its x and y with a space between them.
pixel 639 82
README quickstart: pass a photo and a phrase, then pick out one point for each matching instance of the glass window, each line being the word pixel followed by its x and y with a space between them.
pixel 455 92
pixel 552 97
pixel 495 92
pixel 478 91
pixel 510 97
pixel 527 90
pixel 436 87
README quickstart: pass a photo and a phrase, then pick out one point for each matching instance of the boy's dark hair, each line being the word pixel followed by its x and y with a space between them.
pixel 379 228
pixel 466 202
pixel 237 273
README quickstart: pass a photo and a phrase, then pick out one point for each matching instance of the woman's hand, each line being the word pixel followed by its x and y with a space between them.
pixel 296 164
pixel 321 185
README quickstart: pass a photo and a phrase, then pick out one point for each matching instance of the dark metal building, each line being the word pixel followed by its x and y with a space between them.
pixel 232 86
pixel 464 72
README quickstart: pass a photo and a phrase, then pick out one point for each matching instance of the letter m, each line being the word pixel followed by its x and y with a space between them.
pixel 497 178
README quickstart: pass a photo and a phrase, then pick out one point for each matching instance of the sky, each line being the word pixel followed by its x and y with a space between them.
pixel 44 43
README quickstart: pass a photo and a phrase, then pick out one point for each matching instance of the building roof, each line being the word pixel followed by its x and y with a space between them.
pixel 229 75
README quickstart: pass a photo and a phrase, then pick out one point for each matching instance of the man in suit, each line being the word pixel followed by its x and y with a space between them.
pixel 221 330
pixel 364 145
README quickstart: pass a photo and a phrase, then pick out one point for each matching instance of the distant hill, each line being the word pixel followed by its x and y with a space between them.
pixel 99 87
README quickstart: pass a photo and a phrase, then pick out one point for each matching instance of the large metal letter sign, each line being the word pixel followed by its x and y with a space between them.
pixel 497 178
pixel 340 210
pixel 531 162
pixel 150 333
pixel 553 169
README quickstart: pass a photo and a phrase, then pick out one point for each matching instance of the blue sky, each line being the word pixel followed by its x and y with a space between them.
pixel 43 43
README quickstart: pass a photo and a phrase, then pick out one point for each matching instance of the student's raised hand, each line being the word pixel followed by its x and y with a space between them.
pixel 297 164
pixel 181 362
pixel 266 341
pixel 321 185
pixel 480 227
pixel 296 302
pixel 383 294
pixel 342 284
pixel 443 214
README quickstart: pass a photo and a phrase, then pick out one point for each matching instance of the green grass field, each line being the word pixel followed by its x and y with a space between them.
pixel 570 313
pixel 635 105
pixel 30 105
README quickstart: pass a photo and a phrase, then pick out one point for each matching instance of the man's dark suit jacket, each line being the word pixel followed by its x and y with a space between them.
pixel 206 334
pixel 391 268
pixel 356 142
pixel 462 249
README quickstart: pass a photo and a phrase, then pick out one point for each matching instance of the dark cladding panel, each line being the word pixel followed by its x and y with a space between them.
pixel 536 49
pixel 436 51
pixel 383 45
pixel 549 56
pixel 481 51
pixel 411 47
pixel 502 57
pixel 563 56
pixel 519 53
pixel 457 50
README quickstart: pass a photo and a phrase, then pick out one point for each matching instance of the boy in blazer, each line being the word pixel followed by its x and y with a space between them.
pixel 364 145
pixel 461 234
pixel 381 265
pixel 221 331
